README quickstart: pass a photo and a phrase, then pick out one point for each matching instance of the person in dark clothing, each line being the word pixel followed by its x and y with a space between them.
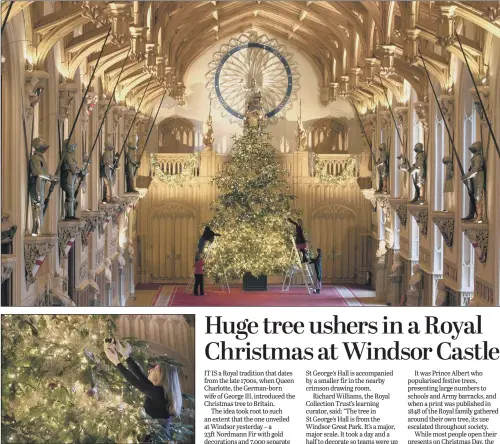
pixel 300 240
pixel 161 386
pixel 199 263
pixel 318 268
pixel 207 236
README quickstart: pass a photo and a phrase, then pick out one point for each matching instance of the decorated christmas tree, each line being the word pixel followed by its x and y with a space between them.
pixel 58 386
pixel 251 211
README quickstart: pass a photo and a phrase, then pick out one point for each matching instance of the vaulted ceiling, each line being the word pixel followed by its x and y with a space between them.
pixel 355 46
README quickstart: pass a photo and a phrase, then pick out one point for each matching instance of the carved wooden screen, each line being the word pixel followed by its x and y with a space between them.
pixel 172 242
pixel 334 229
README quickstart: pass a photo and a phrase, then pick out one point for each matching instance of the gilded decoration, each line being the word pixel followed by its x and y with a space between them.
pixel 251 64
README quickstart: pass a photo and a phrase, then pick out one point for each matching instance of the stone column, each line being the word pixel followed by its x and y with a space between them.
pixel 138 39
pixel 446 23
pixel 381 272
pixel 109 285
pixel 410 45
pixel 120 13
pixel 132 271
pixel 354 77
pixel 413 298
pixel 395 292
pixel 121 277
pixel 207 163
pixel 109 293
pixel 415 288
pixel 118 134
pixel 387 60
pixel 369 122
pixel 371 67
pixel 89 127
pixel 121 286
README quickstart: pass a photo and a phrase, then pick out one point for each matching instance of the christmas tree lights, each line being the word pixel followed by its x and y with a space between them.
pixel 251 211
pixel 58 386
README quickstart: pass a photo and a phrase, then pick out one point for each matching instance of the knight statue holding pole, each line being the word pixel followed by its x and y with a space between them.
pixel 108 172
pixel 132 166
pixel 70 172
pixel 38 178
pixel 383 168
pixel 419 168
pixel 477 180
pixel 448 182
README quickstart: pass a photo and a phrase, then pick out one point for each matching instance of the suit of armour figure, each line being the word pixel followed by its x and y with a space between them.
pixel 70 172
pixel 383 168
pixel 38 178
pixel 476 174
pixel 132 166
pixel 448 182
pixel 420 168
pixel 108 172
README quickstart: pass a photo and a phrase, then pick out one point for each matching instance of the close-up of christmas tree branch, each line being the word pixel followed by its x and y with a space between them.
pixel 58 385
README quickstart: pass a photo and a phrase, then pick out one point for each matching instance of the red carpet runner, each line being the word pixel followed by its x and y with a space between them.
pixel 296 297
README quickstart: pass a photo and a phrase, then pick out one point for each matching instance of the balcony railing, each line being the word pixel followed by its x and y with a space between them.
pixel 173 164
pixel 337 163
pixel 176 164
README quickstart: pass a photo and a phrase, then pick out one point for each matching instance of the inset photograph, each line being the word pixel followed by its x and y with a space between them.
pixel 98 379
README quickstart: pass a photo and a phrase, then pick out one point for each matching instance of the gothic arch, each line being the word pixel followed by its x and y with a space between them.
pixel 179 135
pixel 174 208
pixel 328 136
pixel 342 210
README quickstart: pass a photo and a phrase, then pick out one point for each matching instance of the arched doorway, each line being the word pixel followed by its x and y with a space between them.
pixel 334 230
pixel 173 240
